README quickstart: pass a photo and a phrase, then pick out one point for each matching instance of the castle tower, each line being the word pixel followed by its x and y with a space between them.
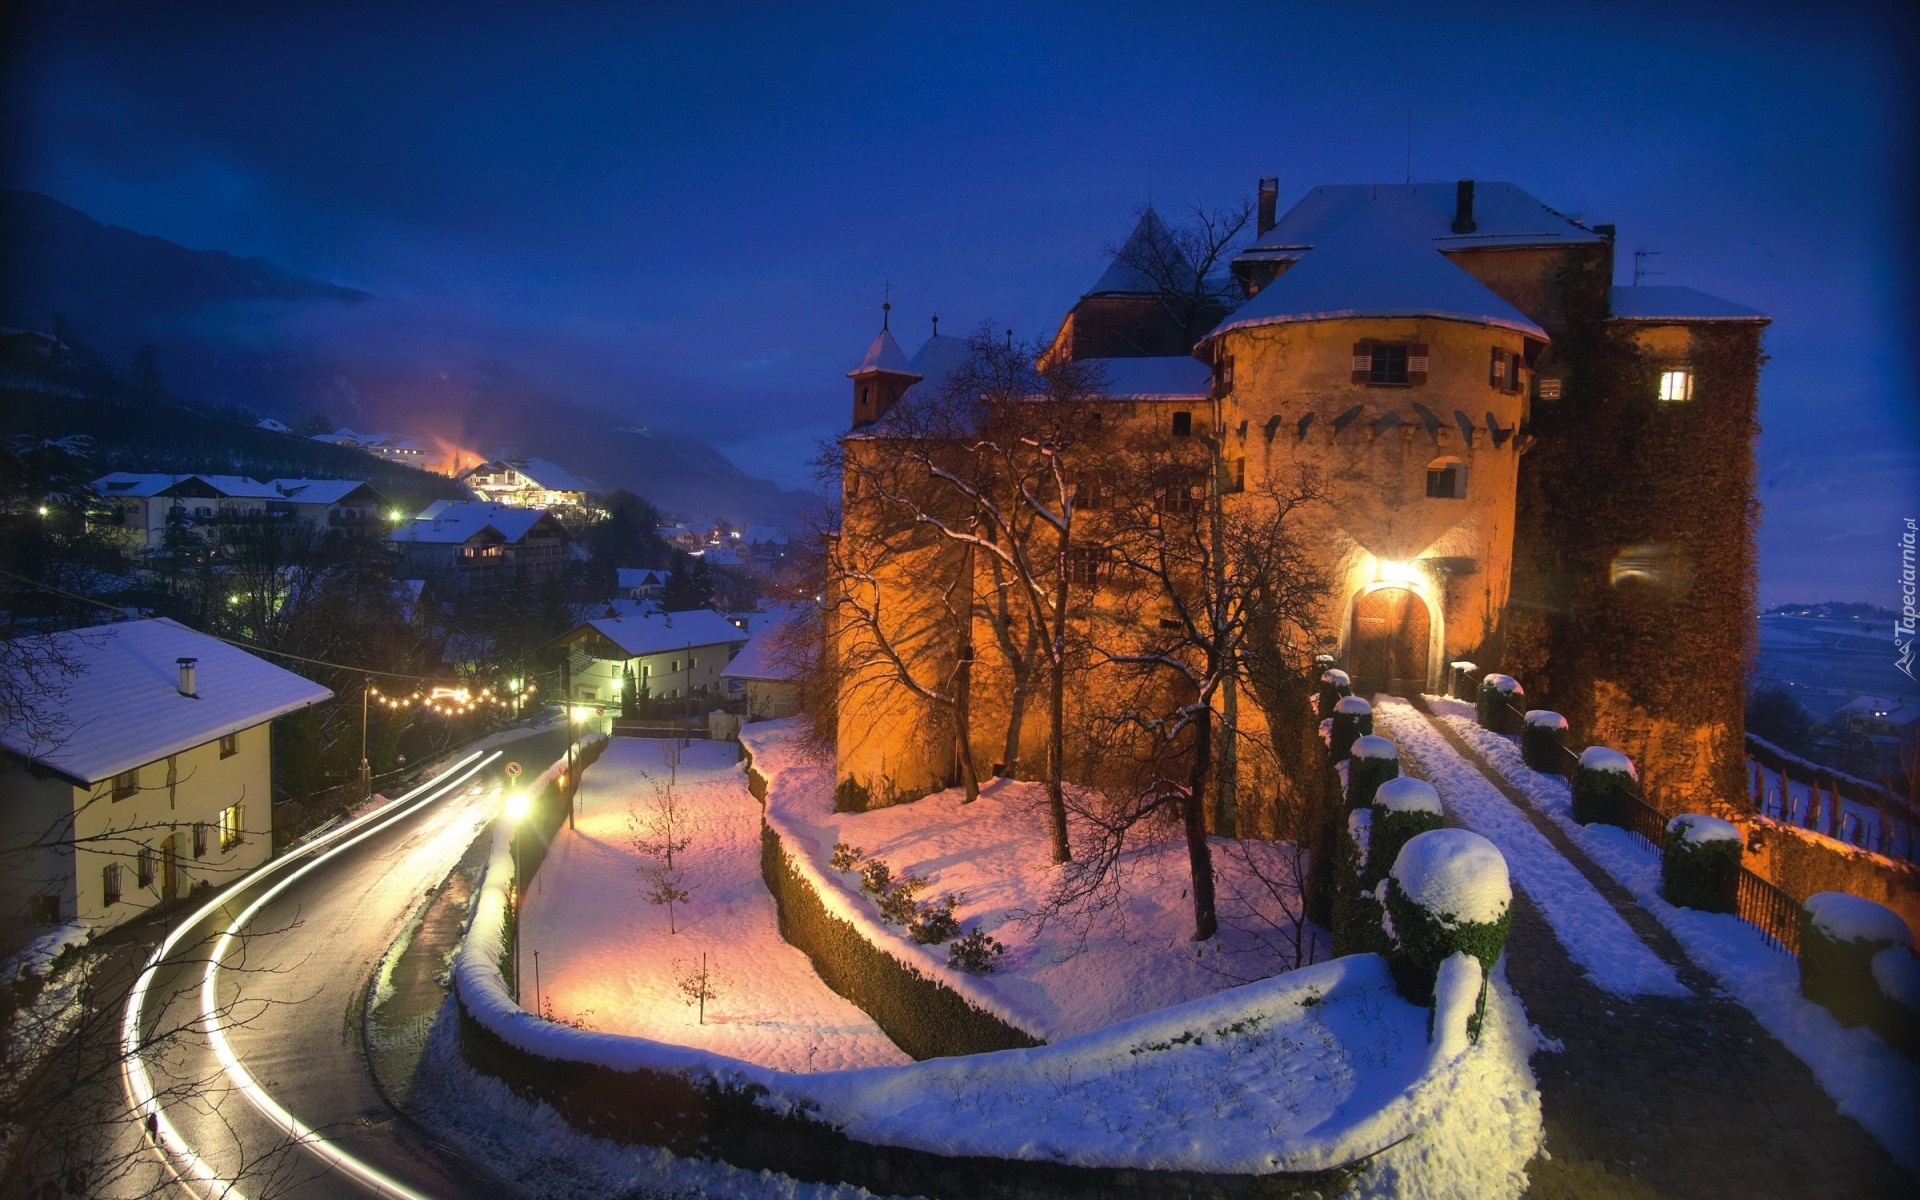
pixel 882 376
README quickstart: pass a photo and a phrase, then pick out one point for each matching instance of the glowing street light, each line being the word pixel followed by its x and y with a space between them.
pixel 516 813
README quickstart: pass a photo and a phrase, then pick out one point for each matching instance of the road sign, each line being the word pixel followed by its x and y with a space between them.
pixel 513 770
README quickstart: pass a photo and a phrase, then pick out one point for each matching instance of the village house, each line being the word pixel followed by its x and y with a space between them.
pixel 761 673
pixel 676 658
pixel 148 503
pixel 1455 369
pixel 527 483
pixel 142 769
pixel 472 548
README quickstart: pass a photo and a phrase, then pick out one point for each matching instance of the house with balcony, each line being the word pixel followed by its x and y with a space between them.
pixel 470 547
pixel 677 659
pixel 139 769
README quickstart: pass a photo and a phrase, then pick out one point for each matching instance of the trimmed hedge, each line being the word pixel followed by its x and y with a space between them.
pixel 1422 940
pixel 1543 742
pixel 1365 773
pixel 1460 684
pixel 1600 796
pixel 1352 720
pixel 1391 831
pixel 1700 872
pixel 1837 972
pixel 1494 705
pixel 1333 687
pixel 1357 924
pixel 923 1016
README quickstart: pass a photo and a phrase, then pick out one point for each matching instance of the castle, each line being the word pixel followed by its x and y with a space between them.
pixel 1521 464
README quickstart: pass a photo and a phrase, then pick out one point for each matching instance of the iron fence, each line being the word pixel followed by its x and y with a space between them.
pixel 1770 910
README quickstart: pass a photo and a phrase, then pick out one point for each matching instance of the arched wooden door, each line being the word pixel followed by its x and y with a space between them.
pixel 1389 654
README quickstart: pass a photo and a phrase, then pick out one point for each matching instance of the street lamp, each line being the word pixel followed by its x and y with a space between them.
pixel 366 770
pixel 516 813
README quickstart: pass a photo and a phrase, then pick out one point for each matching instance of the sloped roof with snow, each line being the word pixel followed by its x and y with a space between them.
pixel 1178 377
pixel 1376 258
pixel 628 578
pixel 1503 215
pixel 131 483
pixel 658 633
pixel 122 707
pixel 551 476
pixel 759 660
pixel 319 491
pixel 884 355
pixel 454 521
pixel 1122 277
pixel 241 487
pixel 1669 303
pixel 937 360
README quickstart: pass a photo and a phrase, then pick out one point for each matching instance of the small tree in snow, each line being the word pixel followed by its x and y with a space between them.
pixel 659 832
pixel 699 983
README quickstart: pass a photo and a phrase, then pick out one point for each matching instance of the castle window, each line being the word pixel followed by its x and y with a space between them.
pixel 1183 424
pixel 1086 566
pixel 1093 493
pixel 1676 385
pixel 1223 376
pixel 1446 479
pixel 1504 371
pixel 1389 364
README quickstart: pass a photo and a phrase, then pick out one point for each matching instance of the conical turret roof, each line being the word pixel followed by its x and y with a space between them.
pixel 884 355
pixel 1150 241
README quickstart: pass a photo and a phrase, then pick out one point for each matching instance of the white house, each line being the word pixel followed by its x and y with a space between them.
pixel 470 547
pixel 139 767
pixel 676 656
pixel 765 675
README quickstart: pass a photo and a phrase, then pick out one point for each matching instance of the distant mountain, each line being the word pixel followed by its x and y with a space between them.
pixel 60 261
pixel 240 332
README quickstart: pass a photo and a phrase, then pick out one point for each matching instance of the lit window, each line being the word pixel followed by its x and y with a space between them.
pixel 229 745
pixel 110 883
pixel 1676 386
pixel 126 783
pixel 230 827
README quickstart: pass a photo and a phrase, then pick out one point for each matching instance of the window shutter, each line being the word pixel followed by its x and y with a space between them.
pixel 1417 363
pixel 1362 362
pixel 1496 369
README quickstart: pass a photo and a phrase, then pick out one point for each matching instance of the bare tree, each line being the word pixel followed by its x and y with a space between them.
pixel 659 833
pixel 1184 265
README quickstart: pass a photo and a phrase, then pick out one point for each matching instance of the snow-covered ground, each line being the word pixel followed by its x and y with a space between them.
pixel 1605 946
pixel 1868 1081
pixel 1070 977
pixel 606 956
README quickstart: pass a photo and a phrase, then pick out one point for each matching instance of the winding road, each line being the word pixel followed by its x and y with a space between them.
pixel 258 1084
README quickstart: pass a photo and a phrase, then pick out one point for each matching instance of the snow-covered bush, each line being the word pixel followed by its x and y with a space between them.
pixel 1374 761
pixel 1460 675
pixel 875 875
pixel 1448 893
pixel 1403 809
pixel 935 923
pixel 1334 684
pixel 845 857
pixel 1840 935
pixel 1352 719
pixel 1897 972
pixel 1603 784
pixel 1497 706
pixel 976 952
pixel 900 903
pixel 1358 927
pixel 1700 863
pixel 1543 741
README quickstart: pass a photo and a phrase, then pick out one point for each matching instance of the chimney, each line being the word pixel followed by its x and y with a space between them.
pixel 1269 203
pixel 1463 208
pixel 188 686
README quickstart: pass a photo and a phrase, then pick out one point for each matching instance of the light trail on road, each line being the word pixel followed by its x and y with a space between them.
pixel 137 1080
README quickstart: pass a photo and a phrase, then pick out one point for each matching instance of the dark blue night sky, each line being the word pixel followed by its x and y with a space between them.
pixel 688 212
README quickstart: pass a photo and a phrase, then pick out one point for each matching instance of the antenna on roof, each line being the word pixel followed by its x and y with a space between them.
pixel 1640 271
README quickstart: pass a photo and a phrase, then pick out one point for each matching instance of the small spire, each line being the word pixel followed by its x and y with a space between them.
pixel 936 327
pixel 886 303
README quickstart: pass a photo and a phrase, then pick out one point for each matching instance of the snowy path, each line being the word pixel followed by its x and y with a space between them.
pixel 1606 948
pixel 618 970
pixel 1868 1081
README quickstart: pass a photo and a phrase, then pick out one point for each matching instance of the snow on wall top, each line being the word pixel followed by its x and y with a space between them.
pixel 1546 717
pixel 122 707
pixel 883 355
pixel 1407 794
pixel 1456 875
pixel 1606 758
pixel 1699 828
pixel 1846 918
pixel 1373 745
pixel 1671 303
